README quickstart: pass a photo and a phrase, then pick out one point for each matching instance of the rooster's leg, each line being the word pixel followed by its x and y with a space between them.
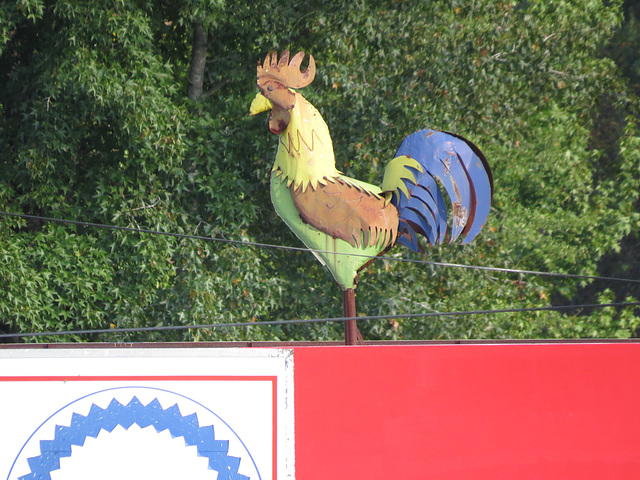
pixel 351 334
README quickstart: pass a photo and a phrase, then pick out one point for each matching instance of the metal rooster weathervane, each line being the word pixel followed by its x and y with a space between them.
pixel 345 222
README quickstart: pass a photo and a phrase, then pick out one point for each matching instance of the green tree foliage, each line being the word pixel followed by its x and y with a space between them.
pixel 97 125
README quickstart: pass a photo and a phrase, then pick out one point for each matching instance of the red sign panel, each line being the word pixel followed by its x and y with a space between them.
pixel 559 411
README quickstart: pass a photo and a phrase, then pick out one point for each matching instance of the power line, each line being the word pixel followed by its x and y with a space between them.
pixel 304 249
pixel 319 320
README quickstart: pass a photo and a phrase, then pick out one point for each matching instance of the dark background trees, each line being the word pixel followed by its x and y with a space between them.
pixel 134 114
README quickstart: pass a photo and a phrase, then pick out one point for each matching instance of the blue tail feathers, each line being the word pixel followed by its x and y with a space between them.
pixel 460 168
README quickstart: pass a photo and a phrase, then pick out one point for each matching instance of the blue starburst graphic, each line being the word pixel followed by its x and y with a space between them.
pixel 117 414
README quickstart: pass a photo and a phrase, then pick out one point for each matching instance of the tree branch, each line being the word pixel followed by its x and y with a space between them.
pixel 214 89
pixel 198 62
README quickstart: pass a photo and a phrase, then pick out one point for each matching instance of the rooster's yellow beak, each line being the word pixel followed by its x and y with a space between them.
pixel 260 104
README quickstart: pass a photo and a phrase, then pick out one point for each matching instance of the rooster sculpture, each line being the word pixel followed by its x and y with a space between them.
pixel 345 222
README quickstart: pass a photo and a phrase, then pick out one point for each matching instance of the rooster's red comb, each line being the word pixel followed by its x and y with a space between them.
pixel 287 72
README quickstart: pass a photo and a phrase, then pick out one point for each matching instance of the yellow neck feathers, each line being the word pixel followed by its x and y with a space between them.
pixel 305 152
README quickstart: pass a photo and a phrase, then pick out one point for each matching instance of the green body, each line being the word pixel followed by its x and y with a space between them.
pixel 342 259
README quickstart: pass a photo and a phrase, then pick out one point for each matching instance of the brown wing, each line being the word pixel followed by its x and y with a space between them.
pixel 348 212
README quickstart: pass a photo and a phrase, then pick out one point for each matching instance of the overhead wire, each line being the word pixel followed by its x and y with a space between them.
pixel 304 249
pixel 314 320
pixel 318 320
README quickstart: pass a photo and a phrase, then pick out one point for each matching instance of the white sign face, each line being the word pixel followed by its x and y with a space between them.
pixel 71 414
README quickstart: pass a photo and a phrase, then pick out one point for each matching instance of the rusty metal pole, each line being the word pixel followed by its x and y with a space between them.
pixel 350 326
